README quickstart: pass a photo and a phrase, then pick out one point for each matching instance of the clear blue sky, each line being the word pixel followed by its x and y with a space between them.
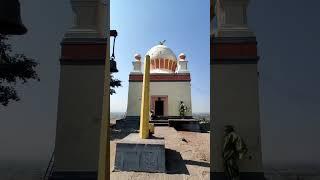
pixel 185 27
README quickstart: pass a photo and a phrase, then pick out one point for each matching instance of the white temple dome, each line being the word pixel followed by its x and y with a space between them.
pixel 161 52
pixel 163 59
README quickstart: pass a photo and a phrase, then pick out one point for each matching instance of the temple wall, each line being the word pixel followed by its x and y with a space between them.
pixel 79 107
pixel 176 92
pixel 236 102
pixel 234 84
pixel 134 99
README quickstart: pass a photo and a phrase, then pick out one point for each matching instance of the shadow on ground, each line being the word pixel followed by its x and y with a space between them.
pixel 174 163
pixel 197 163
pixel 117 134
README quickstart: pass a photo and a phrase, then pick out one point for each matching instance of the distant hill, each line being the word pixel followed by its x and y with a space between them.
pixel 202 116
pixel 116 115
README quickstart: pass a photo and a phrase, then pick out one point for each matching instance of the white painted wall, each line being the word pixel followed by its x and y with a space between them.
pixel 81 93
pixel 79 117
pixel 236 102
pixel 176 92
pixel 90 19
pixel 134 98
pixel 232 18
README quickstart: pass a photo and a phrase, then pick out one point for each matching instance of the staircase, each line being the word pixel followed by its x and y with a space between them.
pixel 160 122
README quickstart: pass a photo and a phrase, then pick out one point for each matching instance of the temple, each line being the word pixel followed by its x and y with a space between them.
pixel 169 84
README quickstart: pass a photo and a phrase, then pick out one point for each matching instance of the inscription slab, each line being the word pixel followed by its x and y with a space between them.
pixel 141 155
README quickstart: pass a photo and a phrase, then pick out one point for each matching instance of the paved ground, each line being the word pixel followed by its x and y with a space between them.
pixel 187 156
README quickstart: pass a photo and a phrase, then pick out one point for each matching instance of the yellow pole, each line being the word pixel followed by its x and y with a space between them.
pixel 145 101
pixel 104 152
pixel 104 149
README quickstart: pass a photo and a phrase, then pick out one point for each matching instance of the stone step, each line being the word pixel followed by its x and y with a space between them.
pixel 159 121
pixel 161 124
pixel 132 118
pixel 127 124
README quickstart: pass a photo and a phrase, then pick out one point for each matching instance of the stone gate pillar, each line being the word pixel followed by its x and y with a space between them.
pixel 234 83
pixel 81 91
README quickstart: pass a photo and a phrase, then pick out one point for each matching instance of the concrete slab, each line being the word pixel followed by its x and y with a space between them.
pixel 142 155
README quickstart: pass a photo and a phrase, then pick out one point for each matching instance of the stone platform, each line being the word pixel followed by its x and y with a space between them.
pixel 185 124
pixel 142 155
pixel 128 123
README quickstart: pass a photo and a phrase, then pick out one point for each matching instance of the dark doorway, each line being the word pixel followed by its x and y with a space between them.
pixel 159 109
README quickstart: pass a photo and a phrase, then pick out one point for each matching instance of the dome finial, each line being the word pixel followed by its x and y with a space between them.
pixel 137 56
pixel 162 42
pixel 182 56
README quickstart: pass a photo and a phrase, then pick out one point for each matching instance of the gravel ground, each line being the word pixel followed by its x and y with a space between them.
pixel 187 156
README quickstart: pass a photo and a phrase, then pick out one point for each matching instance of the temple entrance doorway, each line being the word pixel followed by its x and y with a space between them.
pixel 159 110
pixel 159 106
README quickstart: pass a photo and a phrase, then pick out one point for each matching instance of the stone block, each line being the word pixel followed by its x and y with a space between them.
pixel 141 155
